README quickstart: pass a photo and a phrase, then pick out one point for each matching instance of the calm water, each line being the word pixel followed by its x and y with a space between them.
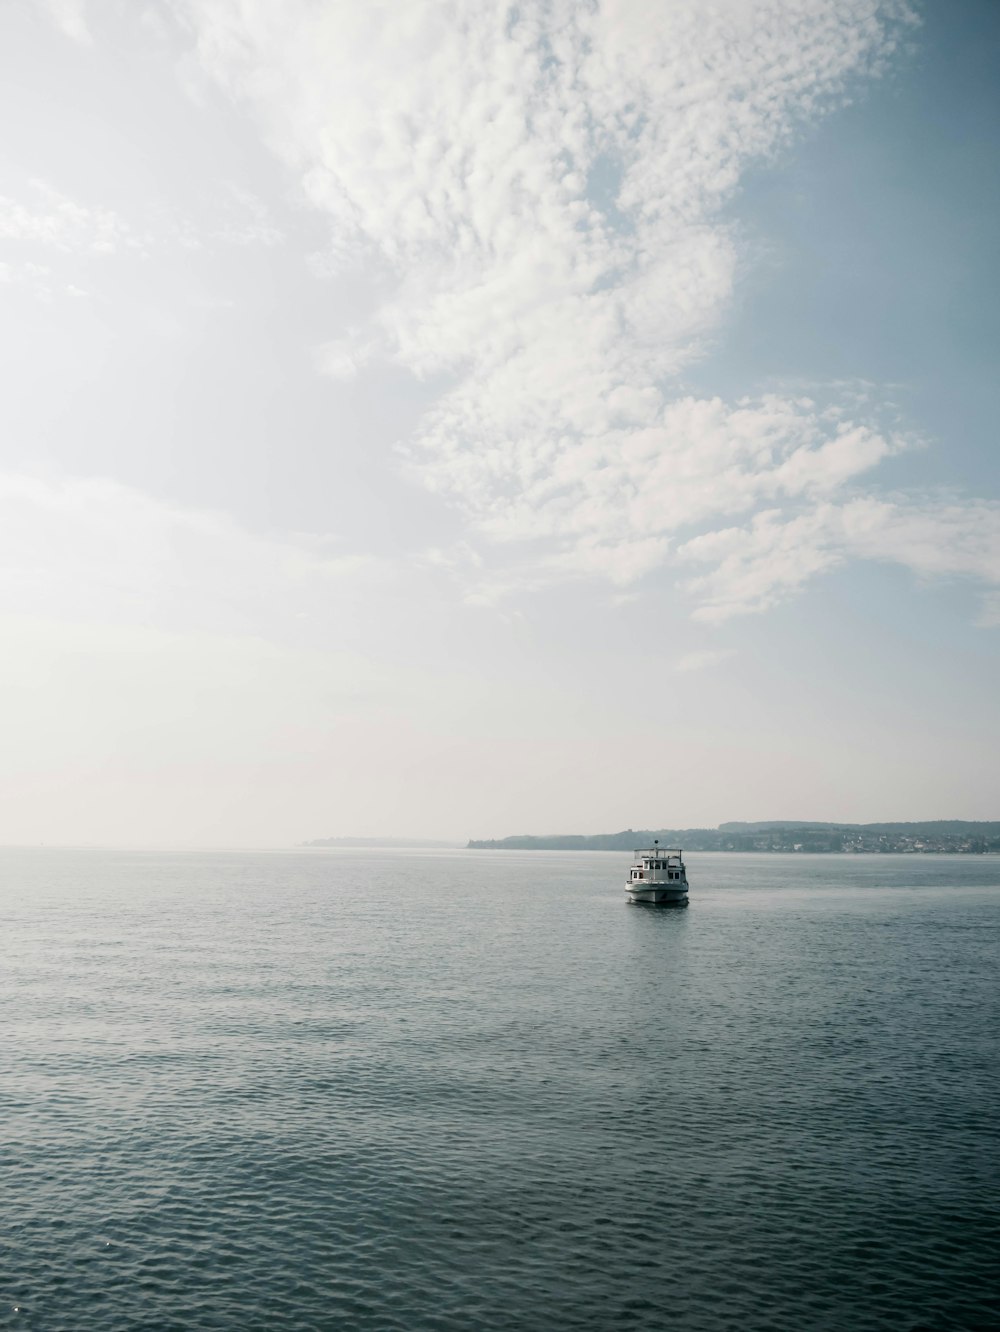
pixel 471 1090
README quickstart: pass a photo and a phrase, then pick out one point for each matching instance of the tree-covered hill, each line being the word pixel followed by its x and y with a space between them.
pixel 935 835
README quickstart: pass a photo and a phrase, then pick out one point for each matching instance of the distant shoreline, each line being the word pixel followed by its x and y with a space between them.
pixel 730 850
pixel 781 837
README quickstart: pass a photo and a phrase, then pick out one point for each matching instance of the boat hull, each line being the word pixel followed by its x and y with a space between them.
pixel 655 894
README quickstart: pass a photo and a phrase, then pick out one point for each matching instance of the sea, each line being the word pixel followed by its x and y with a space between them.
pixel 445 1091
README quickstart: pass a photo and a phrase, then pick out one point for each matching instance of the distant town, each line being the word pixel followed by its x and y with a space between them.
pixel 782 836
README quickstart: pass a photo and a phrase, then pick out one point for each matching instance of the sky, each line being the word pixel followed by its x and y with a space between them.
pixel 457 419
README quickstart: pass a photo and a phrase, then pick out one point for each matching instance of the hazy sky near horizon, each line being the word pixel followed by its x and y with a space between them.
pixel 461 419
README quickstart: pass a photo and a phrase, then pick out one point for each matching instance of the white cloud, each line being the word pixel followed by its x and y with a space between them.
pixel 692 460
pixel 37 277
pixel 933 539
pixel 50 219
pixel 534 195
pixel 54 220
pixel 343 358
pixel 757 566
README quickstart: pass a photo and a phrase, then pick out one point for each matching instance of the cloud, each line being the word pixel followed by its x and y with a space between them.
pixel 36 277
pixel 761 564
pixel 690 460
pixel 757 566
pixel 933 539
pixel 54 220
pixel 534 195
pixel 343 358
pixel 50 219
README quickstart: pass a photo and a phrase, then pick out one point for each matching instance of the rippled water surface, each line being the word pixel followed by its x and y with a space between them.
pixel 471 1090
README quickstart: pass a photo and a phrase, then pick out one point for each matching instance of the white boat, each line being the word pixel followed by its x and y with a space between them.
pixel 658 877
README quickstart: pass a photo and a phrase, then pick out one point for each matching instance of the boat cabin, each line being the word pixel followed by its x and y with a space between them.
pixel 658 864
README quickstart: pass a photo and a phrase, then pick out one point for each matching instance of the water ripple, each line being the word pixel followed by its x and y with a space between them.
pixel 256 1091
